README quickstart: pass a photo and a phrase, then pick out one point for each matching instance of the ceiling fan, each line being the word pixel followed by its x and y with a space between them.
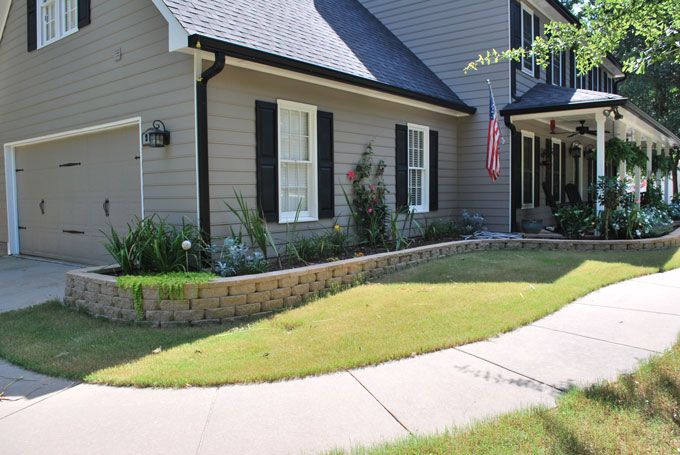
pixel 581 130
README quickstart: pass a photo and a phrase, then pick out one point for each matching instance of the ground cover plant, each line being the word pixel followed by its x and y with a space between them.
pixel 437 305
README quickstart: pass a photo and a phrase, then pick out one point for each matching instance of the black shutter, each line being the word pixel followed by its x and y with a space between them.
pixel 325 144
pixel 563 171
pixel 266 151
pixel 401 165
pixel 515 41
pixel 548 70
pixel 83 13
pixel 537 171
pixel 434 171
pixel 537 32
pixel 516 176
pixel 563 68
pixel 572 69
pixel 32 24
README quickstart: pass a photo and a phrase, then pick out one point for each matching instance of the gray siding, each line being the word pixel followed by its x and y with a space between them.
pixel 75 83
pixel 358 120
pixel 447 35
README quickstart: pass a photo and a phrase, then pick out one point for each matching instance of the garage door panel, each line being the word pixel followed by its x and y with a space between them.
pixel 75 177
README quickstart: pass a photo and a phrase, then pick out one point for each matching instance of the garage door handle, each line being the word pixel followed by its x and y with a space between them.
pixel 106 206
pixel 42 206
pixel 68 231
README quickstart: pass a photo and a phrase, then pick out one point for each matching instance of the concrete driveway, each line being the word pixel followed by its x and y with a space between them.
pixel 25 282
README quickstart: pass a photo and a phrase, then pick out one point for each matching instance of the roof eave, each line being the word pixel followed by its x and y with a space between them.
pixel 622 102
pixel 241 52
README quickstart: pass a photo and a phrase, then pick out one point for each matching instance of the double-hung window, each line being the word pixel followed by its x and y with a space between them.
pixel 556 68
pixel 297 162
pixel 418 167
pixel 56 19
pixel 528 34
pixel 528 176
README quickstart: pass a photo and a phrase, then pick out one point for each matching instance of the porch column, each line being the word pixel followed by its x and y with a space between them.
pixel 638 173
pixel 666 181
pixel 649 160
pixel 623 171
pixel 600 122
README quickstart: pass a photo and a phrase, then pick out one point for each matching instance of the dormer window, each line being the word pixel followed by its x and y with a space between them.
pixel 56 19
pixel 528 34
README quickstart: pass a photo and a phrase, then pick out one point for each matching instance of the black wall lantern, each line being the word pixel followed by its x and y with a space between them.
pixel 575 149
pixel 157 135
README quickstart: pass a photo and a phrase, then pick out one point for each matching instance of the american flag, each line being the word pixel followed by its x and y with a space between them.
pixel 493 143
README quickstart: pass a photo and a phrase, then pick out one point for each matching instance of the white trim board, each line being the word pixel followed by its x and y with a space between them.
pixel 13 246
pixel 239 63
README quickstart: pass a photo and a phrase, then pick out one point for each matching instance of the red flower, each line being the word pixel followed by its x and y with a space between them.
pixel 351 176
pixel 372 187
pixel 370 210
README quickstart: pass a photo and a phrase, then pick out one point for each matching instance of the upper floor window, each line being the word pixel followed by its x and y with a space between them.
pixel 528 34
pixel 556 68
pixel 297 162
pixel 56 19
pixel 418 167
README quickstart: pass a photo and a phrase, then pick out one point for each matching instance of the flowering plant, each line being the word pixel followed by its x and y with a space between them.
pixel 367 205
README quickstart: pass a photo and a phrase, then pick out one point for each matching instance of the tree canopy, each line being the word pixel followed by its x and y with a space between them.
pixel 603 27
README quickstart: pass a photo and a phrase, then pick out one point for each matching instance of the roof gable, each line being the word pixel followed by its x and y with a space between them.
pixel 338 35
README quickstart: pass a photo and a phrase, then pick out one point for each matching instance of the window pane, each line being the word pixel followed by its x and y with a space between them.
pixel 294 186
pixel 528 170
pixel 557 69
pixel 415 187
pixel 70 15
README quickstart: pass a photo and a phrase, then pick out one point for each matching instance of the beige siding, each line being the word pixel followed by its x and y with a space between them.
pixel 358 120
pixel 446 36
pixel 76 82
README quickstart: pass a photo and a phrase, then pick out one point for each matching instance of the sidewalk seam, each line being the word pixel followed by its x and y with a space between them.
pixel 380 403
pixel 627 309
pixel 38 401
pixel 596 339
pixel 207 420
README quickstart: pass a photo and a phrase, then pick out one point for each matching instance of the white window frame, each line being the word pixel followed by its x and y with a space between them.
pixel 526 70
pixel 312 214
pixel 529 134
pixel 424 207
pixel 553 141
pixel 60 23
pixel 556 80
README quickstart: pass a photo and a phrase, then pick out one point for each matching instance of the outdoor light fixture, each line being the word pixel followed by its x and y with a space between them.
pixel 589 153
pixel 575 149
pixel 156 136
pixel 615 111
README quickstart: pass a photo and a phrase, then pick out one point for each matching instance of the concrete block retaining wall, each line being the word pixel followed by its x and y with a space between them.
pixel 225 300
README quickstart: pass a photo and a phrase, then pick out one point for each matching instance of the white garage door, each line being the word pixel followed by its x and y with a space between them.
pixel 70 190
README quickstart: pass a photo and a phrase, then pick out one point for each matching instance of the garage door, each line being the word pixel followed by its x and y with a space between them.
pixel 70 190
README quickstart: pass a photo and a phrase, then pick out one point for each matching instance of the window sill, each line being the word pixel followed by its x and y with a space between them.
pixel 419 210
pixel 56 40
pixel 528 72
pixel 301 219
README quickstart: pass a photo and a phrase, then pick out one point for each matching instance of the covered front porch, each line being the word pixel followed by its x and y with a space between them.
pixel 559 136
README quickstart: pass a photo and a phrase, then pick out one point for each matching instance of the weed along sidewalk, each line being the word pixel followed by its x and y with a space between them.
pixel 617 326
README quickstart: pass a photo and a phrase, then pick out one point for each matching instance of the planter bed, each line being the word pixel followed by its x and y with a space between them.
pixel 228 300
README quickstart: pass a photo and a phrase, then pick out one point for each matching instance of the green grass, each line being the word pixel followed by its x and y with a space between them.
pixel 438 305
pixel 638 413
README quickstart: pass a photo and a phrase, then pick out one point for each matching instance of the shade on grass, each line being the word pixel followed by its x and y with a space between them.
pixel 441 304
pixel 638 413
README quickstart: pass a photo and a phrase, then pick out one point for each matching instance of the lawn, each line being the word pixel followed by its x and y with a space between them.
pixel 437 305
pixel 639 413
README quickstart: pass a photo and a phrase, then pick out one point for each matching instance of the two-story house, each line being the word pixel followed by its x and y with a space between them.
pixel 277 101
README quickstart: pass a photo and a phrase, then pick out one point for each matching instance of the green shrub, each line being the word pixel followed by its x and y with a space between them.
pixel 332 243
pixel 439 229
pixel 233 258
pixel 674 210
pixel 470 223
pixel 152 245
pixel 576 221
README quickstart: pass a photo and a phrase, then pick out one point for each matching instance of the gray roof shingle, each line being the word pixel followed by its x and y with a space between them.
pixel 545 97
pixel 338 35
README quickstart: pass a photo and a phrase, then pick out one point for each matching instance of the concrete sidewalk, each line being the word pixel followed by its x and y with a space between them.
pixel 598 337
